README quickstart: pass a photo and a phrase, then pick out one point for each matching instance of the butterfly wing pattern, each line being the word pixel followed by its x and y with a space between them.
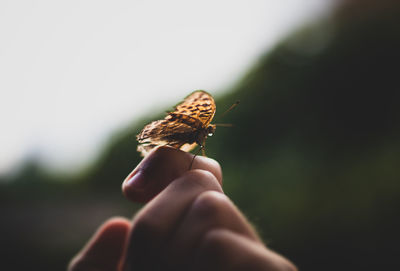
pixel 183 128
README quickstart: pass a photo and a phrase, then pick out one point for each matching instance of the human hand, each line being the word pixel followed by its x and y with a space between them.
pixel 188 225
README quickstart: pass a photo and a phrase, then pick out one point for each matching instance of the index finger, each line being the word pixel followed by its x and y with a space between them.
pixel 157 170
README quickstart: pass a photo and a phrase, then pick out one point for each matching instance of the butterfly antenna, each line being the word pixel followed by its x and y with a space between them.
pixel 230 108
pixel 223 124
pixel 223 114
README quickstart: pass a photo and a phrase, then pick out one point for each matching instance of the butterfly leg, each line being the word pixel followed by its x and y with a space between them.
pixel 203 148
pixel 197 153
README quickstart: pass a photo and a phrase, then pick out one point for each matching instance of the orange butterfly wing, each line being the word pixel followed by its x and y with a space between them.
pixel 199 105
pixel 178 128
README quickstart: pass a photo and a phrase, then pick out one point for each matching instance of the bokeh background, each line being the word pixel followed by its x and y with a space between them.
pixel 312 160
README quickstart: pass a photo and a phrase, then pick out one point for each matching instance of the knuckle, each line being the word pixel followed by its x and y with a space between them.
pixel 74 264
pixel 280 263
pixel 212 244
pixel 145 227
pixel 204 179
pixel 210 205
pixel 79 263
pixel 215 250
pixel 212 165
pixel 288 266
pixel 211 252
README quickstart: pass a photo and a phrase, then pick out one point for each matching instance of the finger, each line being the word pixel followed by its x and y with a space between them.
pixel 161 167
pixel 210 210
pixel 104 250
pixel 222 249
pixel 156 222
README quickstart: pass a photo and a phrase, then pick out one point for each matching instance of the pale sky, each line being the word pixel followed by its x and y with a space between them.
pixel 73 72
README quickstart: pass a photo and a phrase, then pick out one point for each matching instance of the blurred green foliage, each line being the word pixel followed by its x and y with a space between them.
pixel 312 160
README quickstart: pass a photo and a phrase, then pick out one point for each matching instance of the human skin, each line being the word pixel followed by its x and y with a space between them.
pixel 188 223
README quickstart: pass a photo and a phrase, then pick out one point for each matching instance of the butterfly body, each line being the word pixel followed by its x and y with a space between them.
pixel 184 128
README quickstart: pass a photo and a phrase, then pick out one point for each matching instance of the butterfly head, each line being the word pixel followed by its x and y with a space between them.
pixel 211 129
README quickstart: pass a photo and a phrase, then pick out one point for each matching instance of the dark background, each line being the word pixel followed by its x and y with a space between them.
pixel 312 160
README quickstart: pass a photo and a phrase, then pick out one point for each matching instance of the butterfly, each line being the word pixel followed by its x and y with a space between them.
pixel 183 128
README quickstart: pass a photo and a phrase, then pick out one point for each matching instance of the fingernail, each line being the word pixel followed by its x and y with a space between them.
pixel 136 180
